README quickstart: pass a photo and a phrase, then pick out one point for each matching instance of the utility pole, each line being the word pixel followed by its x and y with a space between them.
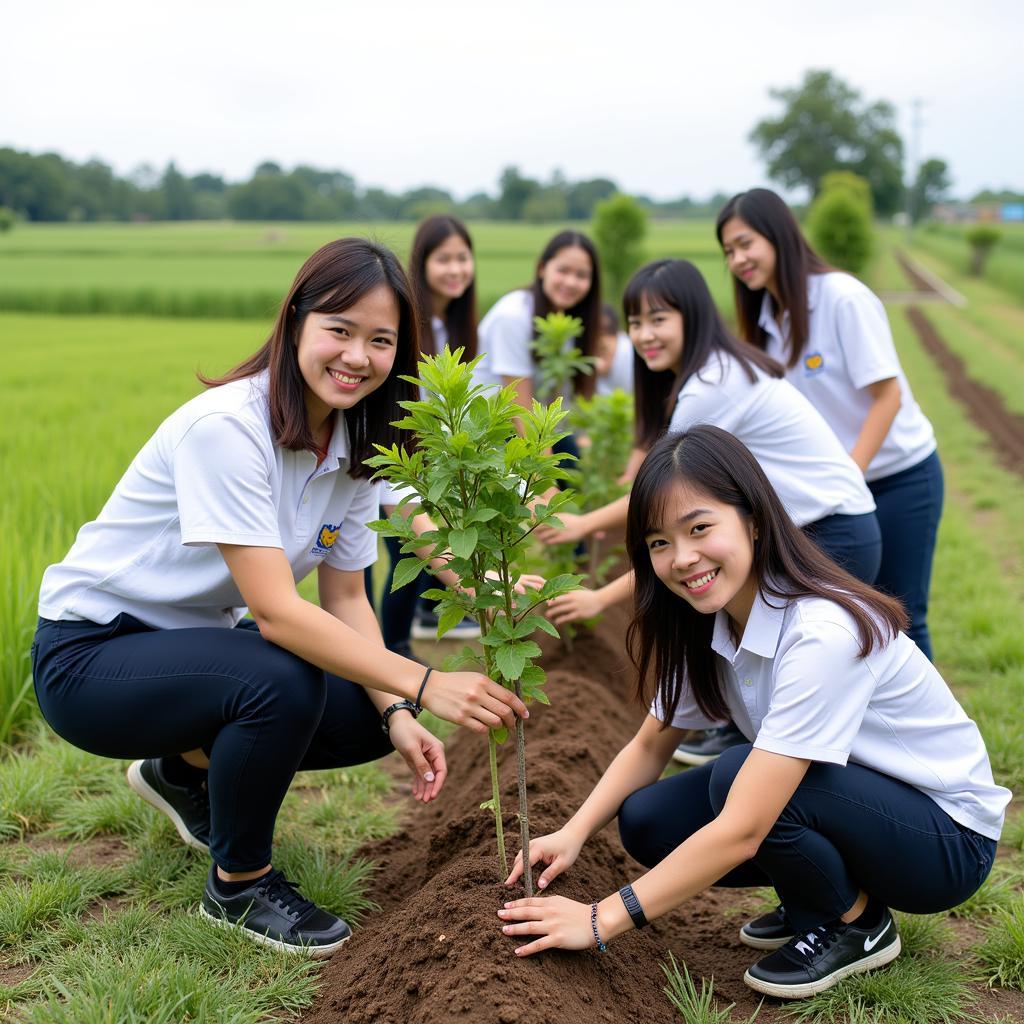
pixel 912 161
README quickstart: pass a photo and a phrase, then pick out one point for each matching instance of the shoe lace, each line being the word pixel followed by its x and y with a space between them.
pixel 806 948
pixel 199 797
pixel 285 894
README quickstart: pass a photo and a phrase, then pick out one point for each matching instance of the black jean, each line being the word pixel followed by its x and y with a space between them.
pixel 126 690
pixel 844 830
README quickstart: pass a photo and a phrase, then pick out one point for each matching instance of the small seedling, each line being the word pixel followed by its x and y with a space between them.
pixel 558 360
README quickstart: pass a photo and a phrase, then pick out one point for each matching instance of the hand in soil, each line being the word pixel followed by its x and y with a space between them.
pixel 472 700
pixel 580 604
pixel 570 532
pixel 558 850
pixel 423 752
pixel 560 923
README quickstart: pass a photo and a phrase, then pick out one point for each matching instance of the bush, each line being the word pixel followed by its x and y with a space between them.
pixel 840 229
pixel 982 239
pixel 6 219
pixel 619 227
pixel 859 188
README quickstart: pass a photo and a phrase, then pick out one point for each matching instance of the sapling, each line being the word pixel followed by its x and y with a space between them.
pixel 484 487
pixel 558 360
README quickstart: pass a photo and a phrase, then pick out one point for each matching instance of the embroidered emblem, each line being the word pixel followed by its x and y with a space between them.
pixel 325 541
pixel 813 363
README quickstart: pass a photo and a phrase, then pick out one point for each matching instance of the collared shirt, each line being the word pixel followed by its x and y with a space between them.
pixel 620 373
pixel 211 474
pixel 810 470
pixel 850 346
pixel 795 686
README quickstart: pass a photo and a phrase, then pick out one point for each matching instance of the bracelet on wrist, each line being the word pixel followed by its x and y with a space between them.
pixel 602 946
pixel 418 703
pixel 402 705
pixel 633 908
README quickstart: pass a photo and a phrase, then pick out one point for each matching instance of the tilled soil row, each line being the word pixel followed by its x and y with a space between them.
pixel 985 407
pixel 435 952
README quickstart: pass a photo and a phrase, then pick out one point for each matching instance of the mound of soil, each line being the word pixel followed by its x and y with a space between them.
pixel 436 951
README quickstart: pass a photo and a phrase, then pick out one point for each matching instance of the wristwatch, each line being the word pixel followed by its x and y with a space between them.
pixel 633 908
pixel 402 705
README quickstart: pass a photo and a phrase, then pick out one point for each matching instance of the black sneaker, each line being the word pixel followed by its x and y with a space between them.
pixel 815 961
pixel 425 622
pixel 187 806
pixel 708 745
pixel 273 912
pixel 769 931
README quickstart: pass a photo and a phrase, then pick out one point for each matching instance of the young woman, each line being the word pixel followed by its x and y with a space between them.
pixel 614 366
pixel 863 785
pixel 689 369
pixel 833 337
pixel 141 650
pixel 567 280
pixel 443 279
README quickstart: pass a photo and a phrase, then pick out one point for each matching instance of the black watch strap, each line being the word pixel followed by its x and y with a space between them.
pixel 633 908
pixel 402 705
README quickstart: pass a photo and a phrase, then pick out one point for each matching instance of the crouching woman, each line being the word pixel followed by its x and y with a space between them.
pixel 863 786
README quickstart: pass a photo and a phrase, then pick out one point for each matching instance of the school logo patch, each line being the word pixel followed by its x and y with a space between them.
pixel 813 363
pixel 326 538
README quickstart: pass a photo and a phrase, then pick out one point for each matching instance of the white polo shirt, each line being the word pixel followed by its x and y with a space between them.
pixel 808 467
pixel 796 686
pixel 850 346
pixel 211 474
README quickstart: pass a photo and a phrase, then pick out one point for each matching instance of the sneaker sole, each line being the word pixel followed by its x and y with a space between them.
pixel 319 952
pixel 756 943
pixel 138 783
pixel 695 760
pixel 812 988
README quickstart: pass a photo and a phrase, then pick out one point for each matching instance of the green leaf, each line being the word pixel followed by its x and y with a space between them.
pixel 533 675
pixel 463 542
pixel 467 656
pixel 487 805
pixel 557 585
pixel 500 735
pixel 511 660
pixel 533 622
pixel 482 515
pixel 451 615
pixel 406 571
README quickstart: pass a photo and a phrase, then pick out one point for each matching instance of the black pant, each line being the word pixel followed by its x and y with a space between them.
pixel 844 830
pixel 126 690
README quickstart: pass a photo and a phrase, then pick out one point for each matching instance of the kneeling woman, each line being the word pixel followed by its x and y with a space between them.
pixel 141 651
pixel 863 786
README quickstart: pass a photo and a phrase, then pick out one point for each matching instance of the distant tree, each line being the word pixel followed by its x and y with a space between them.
pixel 982 239
pixel 179 202
pixel 930 188
pixel 423 202
pixel 7 219
pixel 619 228
pixel 268 195
pixel 585 195
pixel 839 222
pixel 825 127
pixel 479 206
pixel 515 190
pixel 988 195
pixel 547 204
pixel 378 204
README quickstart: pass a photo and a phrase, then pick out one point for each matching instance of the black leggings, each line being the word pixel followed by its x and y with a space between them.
pixel 126 690
pixel 843 830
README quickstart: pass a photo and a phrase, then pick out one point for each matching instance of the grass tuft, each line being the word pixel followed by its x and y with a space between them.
pixel 997 893
pixel 1001 955
pixel 695 1007
pixel 336 884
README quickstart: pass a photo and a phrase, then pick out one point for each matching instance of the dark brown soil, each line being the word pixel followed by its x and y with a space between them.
pixel 436 953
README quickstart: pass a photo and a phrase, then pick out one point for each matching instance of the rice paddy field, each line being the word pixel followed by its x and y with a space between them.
pixel 102 329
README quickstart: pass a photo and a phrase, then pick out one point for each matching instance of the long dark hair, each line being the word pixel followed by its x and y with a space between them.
pixel 588 309
pixel 678 284
pixel 768 214
pixel 460 314
pixel 667 635
pixel 332 280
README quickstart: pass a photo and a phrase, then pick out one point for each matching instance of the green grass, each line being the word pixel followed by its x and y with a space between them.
pixel 695 1006
pixel 1004 267
pixel 1001 955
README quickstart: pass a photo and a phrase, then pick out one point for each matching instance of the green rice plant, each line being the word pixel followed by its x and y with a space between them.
pixel 695 1007
pixel 336 884
pixel 1001 954
pixel 910 990
pixel 998 892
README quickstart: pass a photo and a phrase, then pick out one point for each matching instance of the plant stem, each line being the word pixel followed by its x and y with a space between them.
pixel 499 827
pixel 524 817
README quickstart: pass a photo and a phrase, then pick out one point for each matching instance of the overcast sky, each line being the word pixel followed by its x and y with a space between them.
pixel 659 95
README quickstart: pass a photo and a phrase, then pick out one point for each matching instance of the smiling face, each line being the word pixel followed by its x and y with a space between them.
pixel 750 257
pixel 449 271
pixel 656 331
pixel 703 550
pixel 566 278
pixel 345 356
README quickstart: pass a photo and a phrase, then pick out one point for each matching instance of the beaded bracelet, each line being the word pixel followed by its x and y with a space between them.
pixel 603 947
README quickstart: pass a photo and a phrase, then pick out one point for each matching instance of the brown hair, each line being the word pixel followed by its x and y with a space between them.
pixel 460 314
pixel 332 280
pixel 795 260
pixel 667 635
